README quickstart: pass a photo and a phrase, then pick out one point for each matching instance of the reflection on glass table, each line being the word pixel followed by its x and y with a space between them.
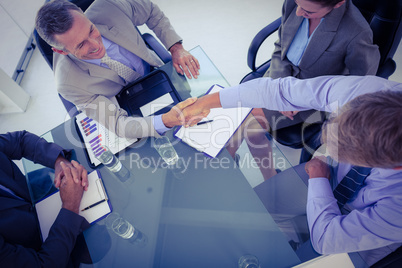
pixel 209 75
pixel 199 212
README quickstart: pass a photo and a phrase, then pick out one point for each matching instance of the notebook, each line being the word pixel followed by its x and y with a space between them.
pixel 210 138
pixel 49 207
pixel 94 136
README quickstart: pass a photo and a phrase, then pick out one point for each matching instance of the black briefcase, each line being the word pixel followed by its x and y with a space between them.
pixel 152 94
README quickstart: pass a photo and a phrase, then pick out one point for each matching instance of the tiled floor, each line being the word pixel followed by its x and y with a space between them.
pixel 224 29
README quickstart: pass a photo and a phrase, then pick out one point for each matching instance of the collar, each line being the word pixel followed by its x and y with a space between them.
pixel 107 43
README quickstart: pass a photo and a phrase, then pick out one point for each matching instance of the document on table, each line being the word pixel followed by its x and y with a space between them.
pixel 95 136
pixel 212 137
pixel 95 200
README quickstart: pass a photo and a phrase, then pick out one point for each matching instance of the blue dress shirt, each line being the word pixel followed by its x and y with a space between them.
pixel 375 218
pixel 300 42
pixel 131 60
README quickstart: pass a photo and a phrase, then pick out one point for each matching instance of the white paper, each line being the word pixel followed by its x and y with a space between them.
pixel 211 137
pixel 156 105
pixel 108 138
pixel 49 208
pixel 329 261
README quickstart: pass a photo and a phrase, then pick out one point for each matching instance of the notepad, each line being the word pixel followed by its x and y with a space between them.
pixel 211 138
pixel 94 135
pixel 48 208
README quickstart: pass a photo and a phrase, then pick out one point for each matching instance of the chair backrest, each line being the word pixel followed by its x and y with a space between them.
pixel 384 17
pixel 47 54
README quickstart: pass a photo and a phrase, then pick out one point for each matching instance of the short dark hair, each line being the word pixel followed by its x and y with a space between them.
pixel 368 131
pixel 54 18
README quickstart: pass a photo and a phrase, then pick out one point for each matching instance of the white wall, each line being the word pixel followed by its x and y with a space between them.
pixel 17 19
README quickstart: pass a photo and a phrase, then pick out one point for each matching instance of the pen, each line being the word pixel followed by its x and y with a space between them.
pixel 97 203
pixel 204 122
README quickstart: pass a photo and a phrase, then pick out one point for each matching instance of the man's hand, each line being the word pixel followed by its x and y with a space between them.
pixel 289 114
pixel 70 191
pixel 317 168
pixel 195 113
pixel 175 116
pixel 79 173
pixel 184 62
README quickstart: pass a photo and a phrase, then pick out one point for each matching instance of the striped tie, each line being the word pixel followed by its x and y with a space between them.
pixel 350 183
pixel 121 69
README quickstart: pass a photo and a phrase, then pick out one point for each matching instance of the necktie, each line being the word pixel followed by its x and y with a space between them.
pixel 350 183
pixel 121 69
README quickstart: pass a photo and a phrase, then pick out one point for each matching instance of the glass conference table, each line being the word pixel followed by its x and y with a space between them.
pixel 206 215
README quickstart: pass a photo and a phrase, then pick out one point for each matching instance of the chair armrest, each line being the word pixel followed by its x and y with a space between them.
pixel 159 49
pixel 258 40
pixel 70 107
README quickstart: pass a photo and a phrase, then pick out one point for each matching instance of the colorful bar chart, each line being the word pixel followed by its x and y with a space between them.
pixel 95 137
pixel 88 125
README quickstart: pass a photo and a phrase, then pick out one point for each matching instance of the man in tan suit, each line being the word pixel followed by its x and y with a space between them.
pixel 82 40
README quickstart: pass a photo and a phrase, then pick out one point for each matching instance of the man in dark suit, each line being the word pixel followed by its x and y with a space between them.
pixel 20 239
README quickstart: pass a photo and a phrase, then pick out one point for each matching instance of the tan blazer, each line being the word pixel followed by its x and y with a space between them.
pixel 91 87
pixel 341 45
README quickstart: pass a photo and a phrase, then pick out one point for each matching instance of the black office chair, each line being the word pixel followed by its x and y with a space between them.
pixel 47 52
pixel 384 17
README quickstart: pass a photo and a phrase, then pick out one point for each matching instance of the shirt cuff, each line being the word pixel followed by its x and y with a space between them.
pixel 318 188
pixel 158 124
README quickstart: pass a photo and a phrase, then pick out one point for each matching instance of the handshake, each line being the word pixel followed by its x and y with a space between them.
pixel 189 112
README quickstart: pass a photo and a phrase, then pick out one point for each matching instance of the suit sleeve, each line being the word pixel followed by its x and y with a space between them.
pixel 17 145
pixel 146 12
pixel 55 251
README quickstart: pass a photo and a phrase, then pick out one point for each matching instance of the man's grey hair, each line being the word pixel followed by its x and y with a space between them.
pixel 55 18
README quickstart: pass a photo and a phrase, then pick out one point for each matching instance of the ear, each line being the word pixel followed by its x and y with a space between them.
pixel 340 4
pixel 62 52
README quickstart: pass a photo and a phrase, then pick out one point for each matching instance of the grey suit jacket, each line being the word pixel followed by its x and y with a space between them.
pixel 341 45
pixel 91 87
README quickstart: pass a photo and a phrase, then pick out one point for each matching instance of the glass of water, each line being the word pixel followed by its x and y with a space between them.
pixel 166 150
pixel 125 230
pixel 249 261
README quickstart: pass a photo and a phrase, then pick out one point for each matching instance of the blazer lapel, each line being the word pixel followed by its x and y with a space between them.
pixel 323 37
pixel 133 43
pixel 97 71
pixel 289 30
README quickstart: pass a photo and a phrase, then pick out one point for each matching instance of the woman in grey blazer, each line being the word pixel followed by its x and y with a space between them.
pixel 316 38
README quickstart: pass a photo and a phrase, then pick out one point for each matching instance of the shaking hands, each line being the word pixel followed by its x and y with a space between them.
pixel 189 112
